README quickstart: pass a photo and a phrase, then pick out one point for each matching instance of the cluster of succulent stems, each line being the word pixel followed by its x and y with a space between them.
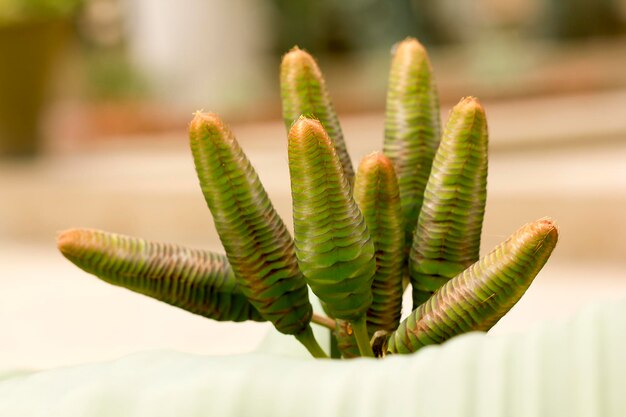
pixel 411 214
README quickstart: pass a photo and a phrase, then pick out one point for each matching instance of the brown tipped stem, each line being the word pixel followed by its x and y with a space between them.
pixel 304 92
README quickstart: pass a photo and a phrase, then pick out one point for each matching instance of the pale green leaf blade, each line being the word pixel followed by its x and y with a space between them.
pixel 572 367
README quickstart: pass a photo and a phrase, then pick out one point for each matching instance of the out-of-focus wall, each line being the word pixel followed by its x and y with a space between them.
pixel 223 55
pixel 201 52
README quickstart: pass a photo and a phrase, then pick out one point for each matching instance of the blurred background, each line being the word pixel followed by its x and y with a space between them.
pixel 95 96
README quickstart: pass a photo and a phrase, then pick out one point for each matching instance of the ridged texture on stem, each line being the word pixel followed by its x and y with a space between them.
pixel 198 281
pixel 376 193
pixel 334 248
pixel 304 93
pixel 478 297
pixel 258 245
pixel 346 341
pixel 412 125
pixel 447 237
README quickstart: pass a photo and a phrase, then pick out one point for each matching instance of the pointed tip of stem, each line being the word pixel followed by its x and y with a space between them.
pixel 375 159
pixel 299 58
pixel 202 119
pixel 296 54
pixel 69 240
pixel 468 107
pixel 470 103
pixel 208 127
pixel 547 223
pixel 305 126
pixel 410 44
pixel 408 47
pixel 65 237
pixel 545 227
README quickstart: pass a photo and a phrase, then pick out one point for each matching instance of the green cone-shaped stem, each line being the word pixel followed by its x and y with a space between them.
pixel 303 91
pixel 447 236
pixel 412 125
pixel 258 245
pixel 478 297
pixel 333 245
pixel 376 193
pixel 198 281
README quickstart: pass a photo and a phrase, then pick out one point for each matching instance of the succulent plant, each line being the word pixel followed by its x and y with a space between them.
pixel 412 213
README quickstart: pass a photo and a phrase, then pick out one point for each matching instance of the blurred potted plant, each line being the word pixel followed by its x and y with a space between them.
pixel 31 33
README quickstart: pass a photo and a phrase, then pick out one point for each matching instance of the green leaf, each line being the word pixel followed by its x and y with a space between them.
pixel 447 236
pixel 376 193
pixel 198 281
pixel 258 245
pixel 334 248
pixel 412 125
pixel 568 368
pixel 303 91
pixel 478 297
